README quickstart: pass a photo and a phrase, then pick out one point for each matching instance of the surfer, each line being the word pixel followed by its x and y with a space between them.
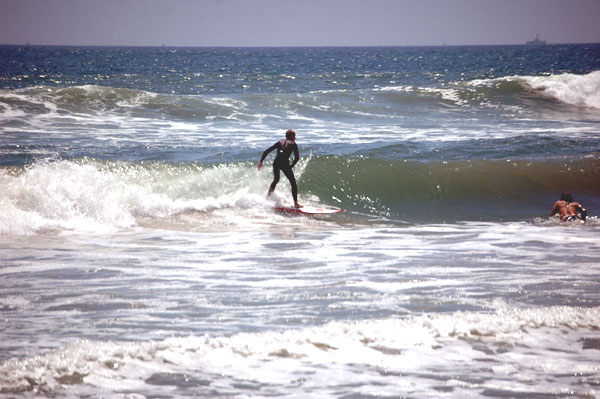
pixel 284 147
pixel 568 209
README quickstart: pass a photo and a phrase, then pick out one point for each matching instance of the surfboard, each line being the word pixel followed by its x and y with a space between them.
pixel 309 210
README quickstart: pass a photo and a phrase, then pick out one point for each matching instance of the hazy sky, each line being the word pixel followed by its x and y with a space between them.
pixel 297 22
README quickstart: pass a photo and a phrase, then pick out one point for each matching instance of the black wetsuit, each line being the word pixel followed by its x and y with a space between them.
pixel 282 162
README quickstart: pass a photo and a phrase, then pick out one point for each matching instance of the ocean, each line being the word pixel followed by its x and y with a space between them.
pixel 141 258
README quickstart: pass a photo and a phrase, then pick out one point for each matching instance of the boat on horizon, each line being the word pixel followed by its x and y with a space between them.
pixel 536 41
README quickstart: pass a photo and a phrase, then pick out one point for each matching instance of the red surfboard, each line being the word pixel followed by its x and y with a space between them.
pixel 309 210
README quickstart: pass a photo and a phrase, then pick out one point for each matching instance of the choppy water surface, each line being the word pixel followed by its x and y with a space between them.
pixel 139 256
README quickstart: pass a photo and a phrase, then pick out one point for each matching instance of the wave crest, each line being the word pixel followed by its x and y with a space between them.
pixel 577 90
pixel 94 196
pixel 98 196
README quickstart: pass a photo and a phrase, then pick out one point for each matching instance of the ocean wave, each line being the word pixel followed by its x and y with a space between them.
pixel 99 196
pixel 450 190
pixel 411 347
pixel 510 93
pixel 572 89
pixel 95 196
pixel 381 103
pixel 107 103
pixel 91 100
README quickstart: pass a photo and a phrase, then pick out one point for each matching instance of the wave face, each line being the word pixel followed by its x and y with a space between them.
pixel 91 195
pixel 450 191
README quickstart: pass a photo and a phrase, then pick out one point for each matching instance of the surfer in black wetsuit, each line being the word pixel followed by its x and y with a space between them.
pixel 284 148
pixel 568 209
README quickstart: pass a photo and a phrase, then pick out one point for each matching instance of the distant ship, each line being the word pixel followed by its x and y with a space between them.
pixel 536 41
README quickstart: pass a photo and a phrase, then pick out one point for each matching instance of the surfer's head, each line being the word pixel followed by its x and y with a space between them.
pixel 290 135
pixel 566 196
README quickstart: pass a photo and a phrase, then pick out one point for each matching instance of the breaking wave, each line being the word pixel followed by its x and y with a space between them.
pixel 328 105
pixel 91 195
pixel 572 89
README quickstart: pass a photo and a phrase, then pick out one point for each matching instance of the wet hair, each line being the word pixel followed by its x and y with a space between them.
pixel 290 134
pixel 566 196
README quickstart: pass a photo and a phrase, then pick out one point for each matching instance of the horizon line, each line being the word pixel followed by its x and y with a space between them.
pixel 164 45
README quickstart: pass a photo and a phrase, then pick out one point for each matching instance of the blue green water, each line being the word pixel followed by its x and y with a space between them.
pixel 139 256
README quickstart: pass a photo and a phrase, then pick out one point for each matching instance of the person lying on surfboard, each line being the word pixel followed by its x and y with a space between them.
pixel 284 148
pixel 568 209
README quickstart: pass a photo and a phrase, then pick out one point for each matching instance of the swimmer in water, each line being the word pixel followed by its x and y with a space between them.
pixel 568 209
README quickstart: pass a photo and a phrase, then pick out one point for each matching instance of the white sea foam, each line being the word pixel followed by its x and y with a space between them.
pixel 248 312
pixel 96 197
pixel 365 354
pixel 578 90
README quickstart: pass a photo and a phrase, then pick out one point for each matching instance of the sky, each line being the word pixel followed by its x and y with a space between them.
pixel 297 22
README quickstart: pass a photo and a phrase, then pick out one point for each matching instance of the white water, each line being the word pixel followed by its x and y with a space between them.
pixel 304 308
pixel 577 90
pixel 456 354
pixel 126 277
pixel 89 196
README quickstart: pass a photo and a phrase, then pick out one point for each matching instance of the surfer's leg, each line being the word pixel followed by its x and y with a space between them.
pixel 290 176
pixel 275 180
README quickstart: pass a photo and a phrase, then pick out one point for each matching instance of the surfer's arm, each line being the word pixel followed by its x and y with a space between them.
pixel 582 211
pixel 267 151
pixel 296 156
pixel 264 155
pixel 555 209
